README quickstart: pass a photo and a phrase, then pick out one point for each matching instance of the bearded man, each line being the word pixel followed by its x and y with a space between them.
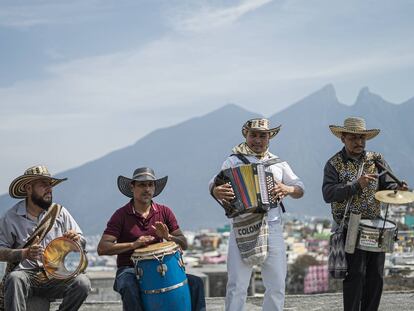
pixel 25 231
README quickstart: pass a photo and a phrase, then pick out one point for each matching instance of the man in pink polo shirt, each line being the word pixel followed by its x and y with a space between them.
pixel 138 223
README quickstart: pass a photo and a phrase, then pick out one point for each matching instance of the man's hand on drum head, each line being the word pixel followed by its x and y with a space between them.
pixel 161 230
pixel 34 251
pixel 224 193
pixel 72 235
pixel 142 241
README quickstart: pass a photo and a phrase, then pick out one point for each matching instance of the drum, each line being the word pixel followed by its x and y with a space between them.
pixel 64 259
pixel 161 275
pixel 377 235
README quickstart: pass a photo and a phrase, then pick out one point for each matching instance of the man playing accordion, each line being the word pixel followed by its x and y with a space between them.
pixel 257 238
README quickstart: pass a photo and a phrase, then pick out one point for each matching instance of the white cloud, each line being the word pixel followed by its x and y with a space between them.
pixel 180 71
pixel 212 17
pixel 27 14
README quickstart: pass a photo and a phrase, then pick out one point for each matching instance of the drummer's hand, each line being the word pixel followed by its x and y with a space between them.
pixel 161 230
pixel 142 241
pixel 281 190
pixel 365 179
pixel 33 252
pixel 224 193
pixel 72 235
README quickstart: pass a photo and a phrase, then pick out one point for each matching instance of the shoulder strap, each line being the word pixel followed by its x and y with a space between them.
pixel 241 157
pixel 348 203
pixel 271 161
pixel 45 224
pixel 266 163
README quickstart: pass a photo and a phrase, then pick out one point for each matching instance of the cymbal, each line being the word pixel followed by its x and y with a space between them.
pixel 395 196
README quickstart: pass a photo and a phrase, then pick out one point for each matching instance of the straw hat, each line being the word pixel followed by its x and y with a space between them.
pixel 141 174
pixel 354 125
pixel 17 188
pixel 259 125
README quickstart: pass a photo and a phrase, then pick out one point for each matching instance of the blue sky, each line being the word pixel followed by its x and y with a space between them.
pixel 81 78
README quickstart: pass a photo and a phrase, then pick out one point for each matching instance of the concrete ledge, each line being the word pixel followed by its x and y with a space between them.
pixel 400 300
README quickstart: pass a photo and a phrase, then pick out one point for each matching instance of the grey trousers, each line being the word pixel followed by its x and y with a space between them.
pixel 19 288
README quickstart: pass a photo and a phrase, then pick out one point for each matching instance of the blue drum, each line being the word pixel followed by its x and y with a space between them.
pixel 161 275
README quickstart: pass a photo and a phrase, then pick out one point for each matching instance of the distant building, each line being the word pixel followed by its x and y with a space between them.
pixel 208 241
pixel 316 280
pixel 317 246
pixel 225 228
pixel 409 221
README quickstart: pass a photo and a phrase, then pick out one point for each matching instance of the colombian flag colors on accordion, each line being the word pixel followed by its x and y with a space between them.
pixel 251 184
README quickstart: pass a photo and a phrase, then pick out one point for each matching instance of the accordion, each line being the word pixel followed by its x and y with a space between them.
pixel 251 185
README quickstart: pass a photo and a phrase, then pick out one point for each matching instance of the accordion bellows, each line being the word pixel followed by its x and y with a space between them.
pixel 251 185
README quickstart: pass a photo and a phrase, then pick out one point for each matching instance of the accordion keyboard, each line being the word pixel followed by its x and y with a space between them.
pixel 263 184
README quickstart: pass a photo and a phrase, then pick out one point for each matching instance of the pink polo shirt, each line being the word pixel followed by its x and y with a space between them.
pixel 128 226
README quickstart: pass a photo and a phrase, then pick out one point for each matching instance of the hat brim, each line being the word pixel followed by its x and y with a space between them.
pixel 17 188
pixel 273 132
pixel 124 185
pixel 339 130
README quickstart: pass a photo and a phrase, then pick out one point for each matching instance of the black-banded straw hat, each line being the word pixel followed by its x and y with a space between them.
pixel 141 174
pixel 17 188
pixel 354 125
pixel 259 125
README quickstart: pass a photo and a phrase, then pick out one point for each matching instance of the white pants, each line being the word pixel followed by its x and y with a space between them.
pixel 273 273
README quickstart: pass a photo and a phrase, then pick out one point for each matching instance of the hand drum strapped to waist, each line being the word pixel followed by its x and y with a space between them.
pixel 64 259
pixel 161 276
pixel 252 186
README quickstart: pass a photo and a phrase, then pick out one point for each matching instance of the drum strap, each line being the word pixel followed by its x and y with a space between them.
pixel 45 225
pixel 348 203
pixel 381 233
pixel 41 230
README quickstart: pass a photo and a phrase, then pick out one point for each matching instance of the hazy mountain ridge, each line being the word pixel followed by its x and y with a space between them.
pixel 191 152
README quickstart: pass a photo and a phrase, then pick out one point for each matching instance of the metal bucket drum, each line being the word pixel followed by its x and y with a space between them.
pixel 64 259
pixel 375 236
pixel 161 275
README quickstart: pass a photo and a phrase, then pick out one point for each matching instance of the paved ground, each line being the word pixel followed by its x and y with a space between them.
pixel 391 301
pixel 399 301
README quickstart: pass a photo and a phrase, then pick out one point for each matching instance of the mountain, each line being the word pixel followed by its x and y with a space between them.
pixel 190 153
